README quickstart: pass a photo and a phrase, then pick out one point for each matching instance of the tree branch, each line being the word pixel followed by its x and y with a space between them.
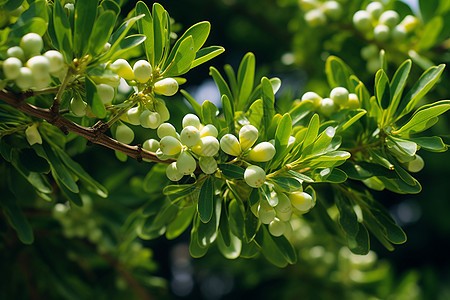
pixel 95 134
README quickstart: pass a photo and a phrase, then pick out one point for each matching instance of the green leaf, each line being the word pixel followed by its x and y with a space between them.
pixel 286 248
pixel 145 26
pixel 206 200
pixel 334 175
pixel 85 14
pixel 430 34
pixel 245 79
pixel 126 44
pixel 251 225
pixel 74 198
pixel 282 136
pixel 17 220
pixel 120 34
pixel 180 192
pixel 93 100
pixel 404 146
pixel 224 89
pixel 38 181
pixel 206 54
pixel 300 111
pixel 268 99
pixel 270 249
pixel 63 31
pixel 432 143
pixel 228 112
pixel 182 60
pixel 155 179
pixel 160 18
pixel 382 89
pixel 359 244
pixel 195 105
pixel 338 73
pixel 398 84
pixel 231 251
pixel 353 116
pixel 255 113
pixel 313 130
pixel 428 8
pixel 207 232
pixel 355 171
pixel 236 219
pixel 181 222
pixel 378 158
pixel 36 25
pixel 300 176
pixel 101 32
pixel 195 249
pixel 347 216
pixel 287 184
pixel 232 171
pixel 426 81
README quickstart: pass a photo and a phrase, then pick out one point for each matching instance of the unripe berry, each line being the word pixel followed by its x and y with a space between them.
pixel 339 95
pixel 106 47
pixel 369 51
pixel 172 172
pixel 410 23
pixel 133 115
pixel 381 33
pixel 311 96
pixel 332 9
pixel 105 93
pixel 207 146
pixel 39 66
pixel 32 44
pixel 186 163
pixel 170 145
pixel 315 17
pixel 327 106
pixel 41 82
pixel 11 67
pixel 262 152
pixel 207 164
pixel 266 213
pixel 277 227
pixel 374 9
pixel 284 204
pixel 284 216
pixel 151 145
pixel 301 201
pixel 209 130
pixel 389 18
pixel 122 68
pixel 124 134
pixel 161 109
pixel 254 176
pixel 162 156
pixel 150 119
pixel 166 87
pixel 190 136
pixel 399 33
pixel 56 60
pixel 191 120
pixel 416 164
pixel 142 71
pixel 32 135
pixel 25 79
pixel 362 20
pixel 78 106
pixel 166 129
pixel 247 136
pixel 353 101
pixel 17 52
pixel 230 145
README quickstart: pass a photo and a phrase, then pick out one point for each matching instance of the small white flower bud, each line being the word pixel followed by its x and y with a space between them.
pixel 284 204
pixel 374 9
pixel 25 79
pixel 17 52
pixel 389 18
pixel 353 101
pixel 311 96
pixel 301 201
pixel 150 119
pixel 332 9
pixel 55 59
pixel 339 95
pixel 266 213
pixel 142 71
pixel 170 145
pixel 247 136
pixel 39 66
pixel 172 172
pixel 191 120
pixel 166 87
pixel 151 145
pixel 362 20
pixel 190 136
pixel 166 129
pixel 186 163
pixel 277 227
pixel 78 106
pixel 124 134
pixel 32 44
pixel 41 82
pixel 230 145
pixel 381 33
pixel 11 67
pixel 133 115
pixel 207 164
pixel 315 17
pixel 254 176
pixel 262 152
pixel 415 165
pixel 207 146
pixel 105 93
pixel 209 130
pixel 161 109
pixel 122 68
pixel 327 106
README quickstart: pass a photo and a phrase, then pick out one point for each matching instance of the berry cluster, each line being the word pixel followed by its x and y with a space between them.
pixel 27 68
pixel 383 25
pixel 339 98
pixel 319 13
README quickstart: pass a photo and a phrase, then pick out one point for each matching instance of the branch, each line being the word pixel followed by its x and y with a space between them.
pixel 95 134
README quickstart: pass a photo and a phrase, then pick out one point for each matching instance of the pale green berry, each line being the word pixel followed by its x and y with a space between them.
pixel 42 82
pixel 353 101
pixel 369 51
pixel 277 227
pixel 266 213
pixel 105 93
pixel 327 106
pixel 161 156
pixel 311 96
pixel 133 115
pixel 301 201
pixel 142 71
pixel 315 17
pixel 112 80
pixel 339 95
pixel 124 134
pixel 17 52
pixel 254 176
pixel 151 145
pixel 308 4
pixel 230 145
pixel 33 136
pixel 375 9
pixel 106 48
pixel 191 120
pixel 186 163
pixel 161 109
pixel 284 204
pixel 11 67
pixel 209 130
pixel 32 44
pixel 399 33
pixel 381 33
pixel 262 152
pixel 247 136
pixel 78 106
pixel 332 9
pixel 410 23
pixel 150 119
pixel 389 18
pixel 39 65
pixel 362 20
pixel 25 79
pixel 166 129
pixel 190 136
pixel 284 216
pixel 207 146
pixel 170 145
pixel 416 164
pixel 173 173
pixel 207 164
pixel 166 87
pixel 55 59
pixel 122 68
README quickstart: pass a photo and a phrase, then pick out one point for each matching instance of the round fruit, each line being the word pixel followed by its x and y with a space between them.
pixel 332 9
pixel 172 172
pixel 151 145
pixel 284 216
pixel 133 115
pixel 369 51
pixel 166 87
pixel 230 145
pixel 374 9
pixel 161 109
pixel 32 135
pixel 262 152
pixel 142 71
pixel 78 106
pixel 410 23
pixel 41 82
pixel 301 201
pixel 353 101
pixel 209 130
pixel 247 136
pixel 55 59
pixel 207 164
pixel 105 93
pixel 11 67
pixel 124 134
pixel 266 213
pixel 170 145
pixel 122 68
pixel 254 176
pixel 17 52
pixel 25 79
pixel 315 17
pixel 191 120
pixel 150 119
pixel 284 204
pixel 389 18
pixel 416 164
pixel 39 65
pixel 277 227
pixel 166 129
pixel 327 106
pixel 311 96
pixel 190 136
pixel 399 33
pixel 31 44
pixel 207 146
pixel 339 95
pixel 381 32
pixel 186 163
pixel 362 20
